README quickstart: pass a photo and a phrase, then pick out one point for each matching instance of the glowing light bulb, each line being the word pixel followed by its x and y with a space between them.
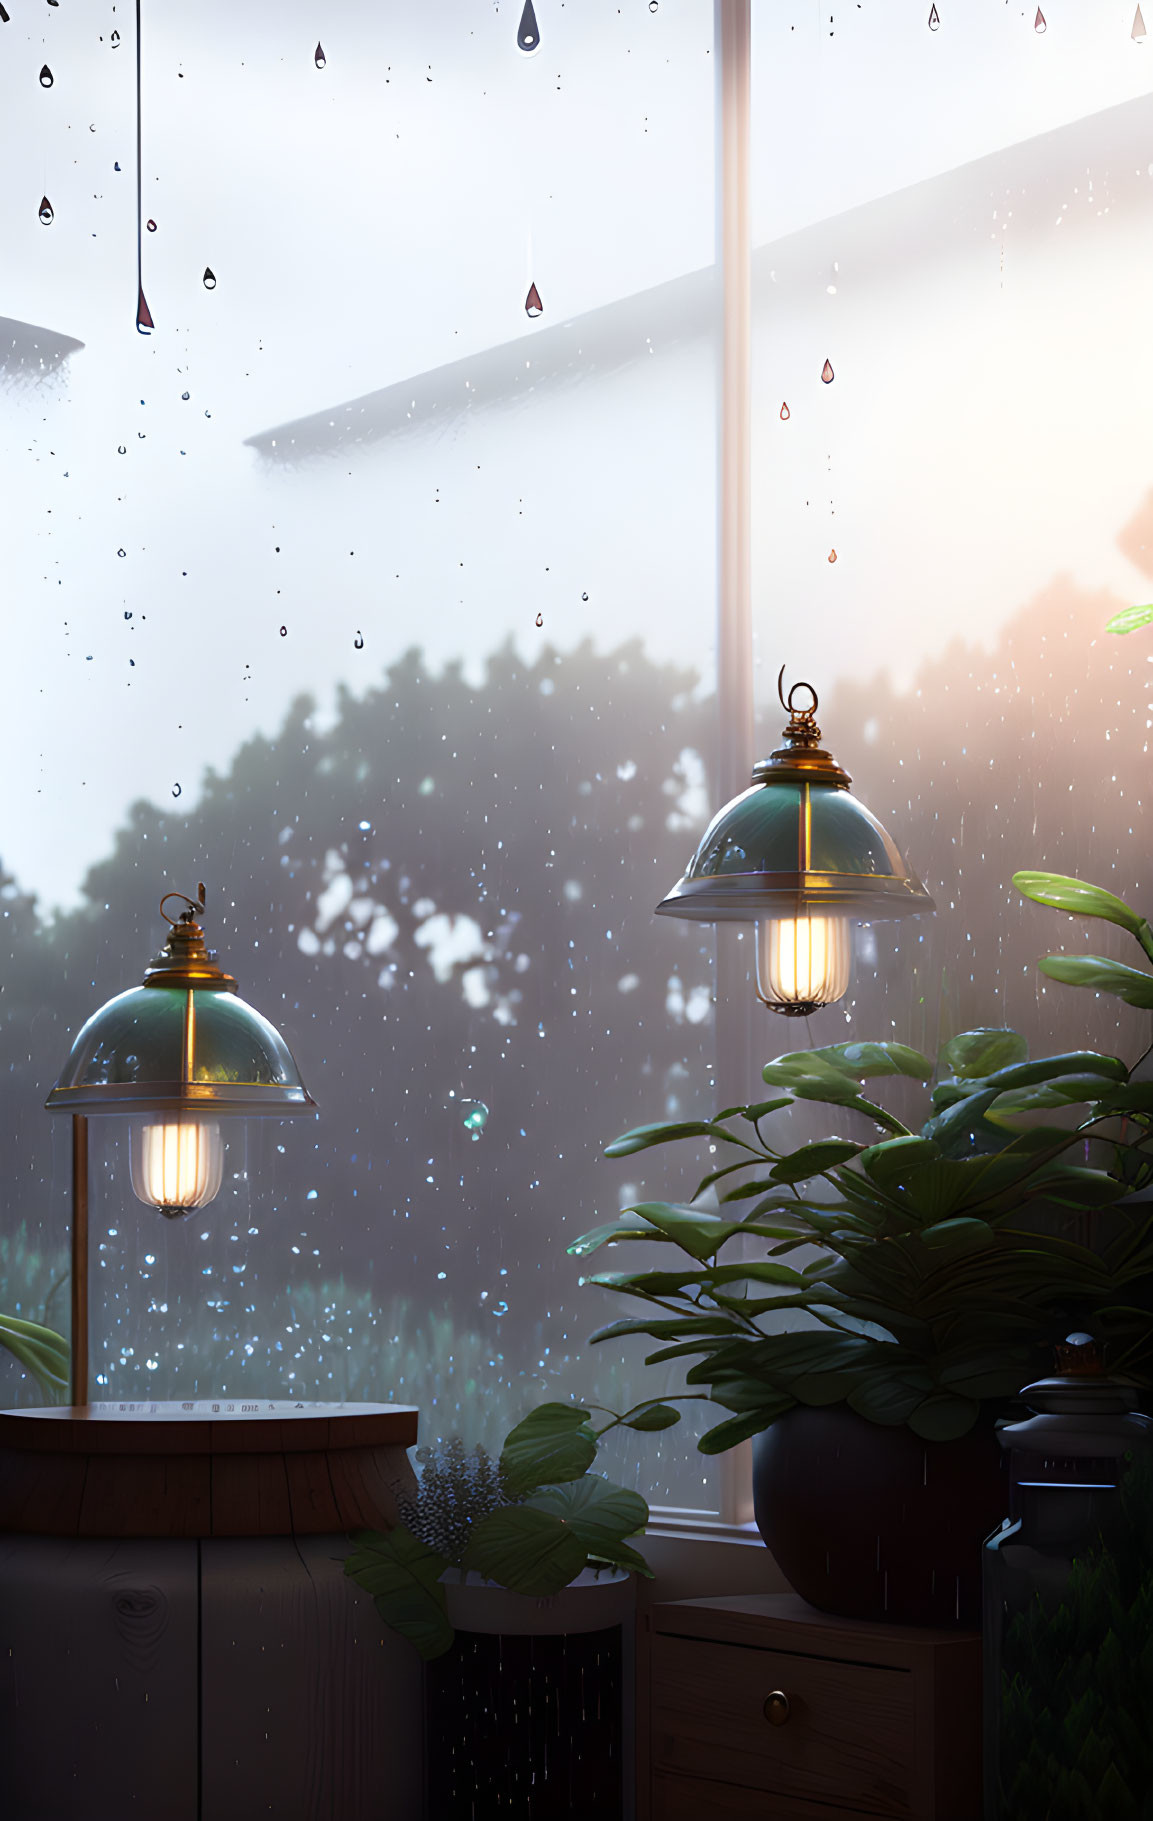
pixel 176 1165
pixel 803 962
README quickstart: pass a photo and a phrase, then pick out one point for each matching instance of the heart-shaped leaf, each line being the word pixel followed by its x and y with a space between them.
pixel 403 1576
pixel 526 1550
pixel 553 1443
pixel 595 1510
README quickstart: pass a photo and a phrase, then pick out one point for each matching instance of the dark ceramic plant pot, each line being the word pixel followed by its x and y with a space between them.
pixel 871 1522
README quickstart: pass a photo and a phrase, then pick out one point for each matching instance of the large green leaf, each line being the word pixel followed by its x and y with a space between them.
pixel 625 1226
pixel 982 1051
pixel 860 1060
pixel 403 1576
pixel 653 1416
pixel 595 1510
pixel 943 1417
pixel 1101 976
pixel 698 1234
pixel 739 1428
pixel 643 1137
pixel 813 1159
pixel 961 1235
pixel 553 1443
pixel 526 1550
pixel 1130 618
pixel 891 1160
pixel 884 1397
pixel 1079 898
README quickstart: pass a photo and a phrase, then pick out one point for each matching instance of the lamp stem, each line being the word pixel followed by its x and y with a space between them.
pixel 79 1390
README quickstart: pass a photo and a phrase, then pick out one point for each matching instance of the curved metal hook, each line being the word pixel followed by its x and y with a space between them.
pixel 800 714
pixel 195 907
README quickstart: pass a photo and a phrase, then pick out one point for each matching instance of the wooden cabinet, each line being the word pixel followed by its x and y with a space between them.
pixel 761 1707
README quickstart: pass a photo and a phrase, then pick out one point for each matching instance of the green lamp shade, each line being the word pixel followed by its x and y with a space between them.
pixel 790 844
pixel 176 1049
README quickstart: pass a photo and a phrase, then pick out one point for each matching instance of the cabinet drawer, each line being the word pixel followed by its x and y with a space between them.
pixel 848 1739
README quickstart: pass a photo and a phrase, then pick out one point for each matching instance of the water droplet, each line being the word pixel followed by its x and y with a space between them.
pixel 184 395
pixel 128 613
pixel 284 632
pixel 176 790
pixel 122 450
pixel 115 41
pixel 318 57
pixel 784 413
pixel 832 556
pixel 47 213
pixel 827 374
pixel 144 320
pixel 151 226
pixel 540 619
pixel 4 16
pixel 476 1118
pixel 115 167
pixel 46 78
pixel 532 303
pixel 1138 31
pixel 1039 21
pixel 122 553
pixel 934 17
pixel 527 33
pixel 358 641
pixel 209 279
pixel 654 6
pixel 584 597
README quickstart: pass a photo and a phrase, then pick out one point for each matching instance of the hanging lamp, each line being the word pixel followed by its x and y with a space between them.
pixel 175 1055
pixel 797 855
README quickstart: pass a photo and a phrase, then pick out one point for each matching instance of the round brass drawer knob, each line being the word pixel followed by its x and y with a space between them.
pixel 777 1707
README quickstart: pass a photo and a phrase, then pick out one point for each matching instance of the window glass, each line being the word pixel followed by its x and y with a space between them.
pixel 373 585
pixel 952 484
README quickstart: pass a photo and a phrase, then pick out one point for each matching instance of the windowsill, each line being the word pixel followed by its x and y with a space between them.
pixel 694 1556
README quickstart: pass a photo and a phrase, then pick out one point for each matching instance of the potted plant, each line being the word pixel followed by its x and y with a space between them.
pixel 512 1578
pixel 938 1266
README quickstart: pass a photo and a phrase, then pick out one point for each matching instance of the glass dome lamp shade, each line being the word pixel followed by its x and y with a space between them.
pixel 800 857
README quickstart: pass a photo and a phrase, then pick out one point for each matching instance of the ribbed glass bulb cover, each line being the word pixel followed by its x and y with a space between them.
pixel 803 961
pixel 176 1165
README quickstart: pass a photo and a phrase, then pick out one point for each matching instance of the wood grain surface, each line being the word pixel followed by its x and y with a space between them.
pixel 312 1709
pixel 98 1680
pixel 169 1470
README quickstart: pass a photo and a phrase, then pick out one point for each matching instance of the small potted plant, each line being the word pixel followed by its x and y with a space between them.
pixel 866 1308
pixel 512 1578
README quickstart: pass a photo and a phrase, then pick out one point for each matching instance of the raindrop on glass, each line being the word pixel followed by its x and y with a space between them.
pixel 144 320
pixel 115 41
pixel 527 35
pixel 4 16
pixel 184 395
pixel 532 303
pixel 476 1119
pixel 654 6
pixel 318 57
pixel 827 374
pixel 115 167
pixel 128 613
pixel 284 632
pixel 122 450
pixel 46 78
pixel 209 279
pixel 584 597
pixel 1138 31
pixel 934 18
pixel 151 226
pixel 122 553
pixel 1039 21
pixel 176 790
pixel 784 413
pixel 358 642
pixel 47 214
pixel 540 619
pixel 832 556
